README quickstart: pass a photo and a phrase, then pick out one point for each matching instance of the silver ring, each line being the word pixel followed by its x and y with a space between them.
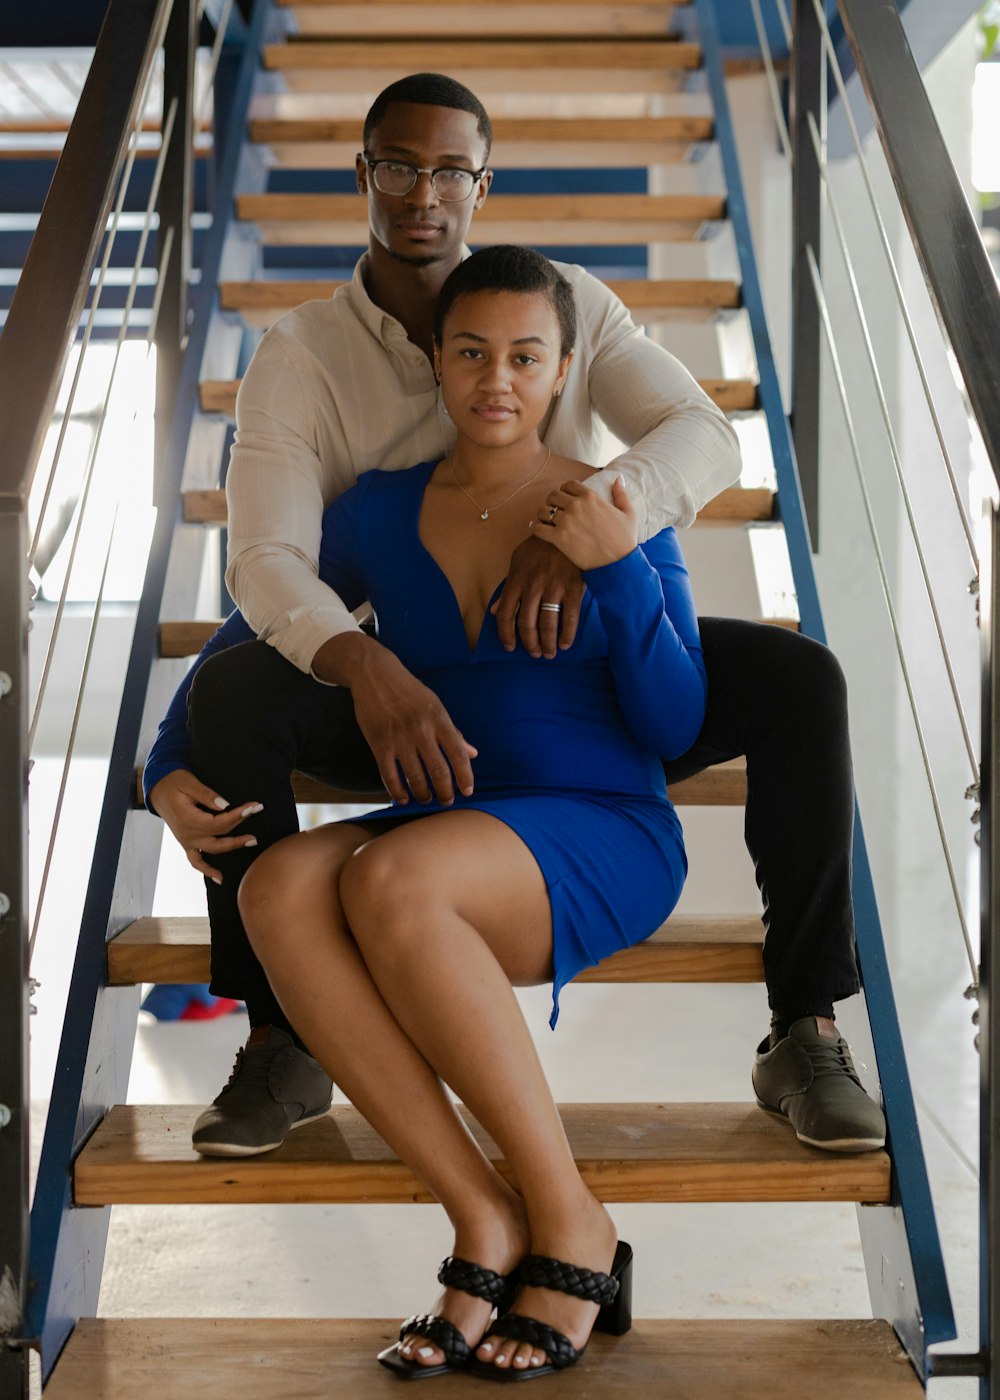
pixel 553 512
pixel 550 607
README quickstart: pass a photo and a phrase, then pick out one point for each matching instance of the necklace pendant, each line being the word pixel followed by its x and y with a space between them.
pixel 485 515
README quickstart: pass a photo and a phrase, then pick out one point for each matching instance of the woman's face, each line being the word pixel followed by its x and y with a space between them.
pixel 499 363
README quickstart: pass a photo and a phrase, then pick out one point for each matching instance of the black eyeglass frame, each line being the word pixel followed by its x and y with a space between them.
pixel 419 170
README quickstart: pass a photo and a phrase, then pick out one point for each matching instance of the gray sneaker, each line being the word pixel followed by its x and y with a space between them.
pixel 809 1078
pixel 274 1087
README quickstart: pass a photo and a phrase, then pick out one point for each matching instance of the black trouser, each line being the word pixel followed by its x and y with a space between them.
pixel 775 696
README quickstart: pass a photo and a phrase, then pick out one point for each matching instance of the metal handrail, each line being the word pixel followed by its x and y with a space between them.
pixel 50 295
pixel 956 268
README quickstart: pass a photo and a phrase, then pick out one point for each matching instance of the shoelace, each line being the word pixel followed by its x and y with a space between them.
pixel 834 1058
pixel 249 1069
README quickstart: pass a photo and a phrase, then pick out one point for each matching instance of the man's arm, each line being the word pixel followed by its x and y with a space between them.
pixel 682 451
pixel 277 487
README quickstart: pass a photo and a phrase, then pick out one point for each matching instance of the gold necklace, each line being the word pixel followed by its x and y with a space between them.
pixel 484 511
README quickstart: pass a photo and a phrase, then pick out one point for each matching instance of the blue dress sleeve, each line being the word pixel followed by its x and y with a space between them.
pixel 654 649
pixel 338 567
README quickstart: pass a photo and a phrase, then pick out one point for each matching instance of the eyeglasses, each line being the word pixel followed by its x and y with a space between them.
pixel 449 182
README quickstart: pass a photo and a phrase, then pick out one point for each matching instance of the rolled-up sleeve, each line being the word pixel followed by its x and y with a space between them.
pixel 277 488
pixel 682 449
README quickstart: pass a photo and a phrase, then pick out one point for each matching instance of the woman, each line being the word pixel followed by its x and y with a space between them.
pixel 393 942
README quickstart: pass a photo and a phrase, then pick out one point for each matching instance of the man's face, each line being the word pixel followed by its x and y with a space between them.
pixel 419 227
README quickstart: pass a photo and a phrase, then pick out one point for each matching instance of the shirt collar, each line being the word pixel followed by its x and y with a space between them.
pixel 381 325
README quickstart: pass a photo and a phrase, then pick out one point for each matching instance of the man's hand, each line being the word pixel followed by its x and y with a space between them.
pixel 181 800
pixel 416 746
pixel 589 530
pixel 539 574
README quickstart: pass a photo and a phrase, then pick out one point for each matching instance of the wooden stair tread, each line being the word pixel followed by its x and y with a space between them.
pixel 535 19
pixel 700 948
pixel 549 132
pixel 261 303
pixel 318 1358
pixel 725 785
pixel 737 504
pixel 731 395
pixel 142 1154
pixel 538 219
pixel 446 54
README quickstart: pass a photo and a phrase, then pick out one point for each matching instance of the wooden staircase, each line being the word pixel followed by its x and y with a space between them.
pixel 604 87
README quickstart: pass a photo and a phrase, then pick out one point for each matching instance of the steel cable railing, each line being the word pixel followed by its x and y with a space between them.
pixel 838 77
pixel 47 352
pixel 964 298
pixel 836 221
pixel 887 593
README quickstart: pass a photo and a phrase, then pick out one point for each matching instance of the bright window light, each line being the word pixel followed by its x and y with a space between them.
pixel 985 125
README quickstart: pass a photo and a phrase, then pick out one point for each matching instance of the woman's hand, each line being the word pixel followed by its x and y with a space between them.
pixel 181 800
pixel 589 530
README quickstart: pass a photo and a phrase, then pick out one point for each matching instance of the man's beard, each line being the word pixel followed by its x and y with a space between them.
pixel 411 261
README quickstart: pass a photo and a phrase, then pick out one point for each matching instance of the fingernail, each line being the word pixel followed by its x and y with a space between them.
pixel 252 841
pixel 219 802
pixel 252 810
pixel 425 1351
pixel 216 879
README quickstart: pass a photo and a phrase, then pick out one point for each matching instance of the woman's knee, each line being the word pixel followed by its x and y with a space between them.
pixel 382 888
pixel 275 892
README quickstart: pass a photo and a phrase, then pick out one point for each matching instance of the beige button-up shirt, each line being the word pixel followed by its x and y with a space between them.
pixel 336 388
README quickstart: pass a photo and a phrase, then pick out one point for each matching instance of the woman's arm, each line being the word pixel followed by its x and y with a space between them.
pixel 646 607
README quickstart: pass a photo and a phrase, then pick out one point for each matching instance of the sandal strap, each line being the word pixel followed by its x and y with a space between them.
pixel 559 1349
pixel 442 1333
pixel 472 1278
pixel 541 1271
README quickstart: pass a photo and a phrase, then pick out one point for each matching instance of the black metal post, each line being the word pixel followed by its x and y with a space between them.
pixel 175 202
pixel 14 993
pixel 807 95
pixel 989 1040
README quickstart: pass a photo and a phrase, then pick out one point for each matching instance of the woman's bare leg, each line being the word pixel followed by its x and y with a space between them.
pixel 448 912
pixel 290 905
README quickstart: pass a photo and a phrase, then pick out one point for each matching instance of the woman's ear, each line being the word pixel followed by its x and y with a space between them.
pixel 557 388
pixel 437 362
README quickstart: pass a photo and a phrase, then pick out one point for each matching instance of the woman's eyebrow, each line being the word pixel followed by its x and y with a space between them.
pixel 482 340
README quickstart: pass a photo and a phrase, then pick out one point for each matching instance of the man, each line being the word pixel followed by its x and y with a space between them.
pixel 341 387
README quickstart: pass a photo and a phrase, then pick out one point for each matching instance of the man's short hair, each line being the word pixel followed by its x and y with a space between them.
pixel 505 267
pixel 430 90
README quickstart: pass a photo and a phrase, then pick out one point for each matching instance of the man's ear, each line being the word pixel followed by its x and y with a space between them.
pixel 483 189
pixel 361 173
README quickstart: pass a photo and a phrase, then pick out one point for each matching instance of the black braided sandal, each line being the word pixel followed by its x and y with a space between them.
pixel 613 1292
pixel 497 1289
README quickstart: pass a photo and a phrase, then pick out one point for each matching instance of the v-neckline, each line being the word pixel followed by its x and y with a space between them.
pixel 472 651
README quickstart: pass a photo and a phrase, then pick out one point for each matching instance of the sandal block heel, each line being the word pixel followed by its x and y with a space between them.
pixel 615 1318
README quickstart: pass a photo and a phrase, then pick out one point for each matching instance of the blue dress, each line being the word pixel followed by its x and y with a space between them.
pixel 569 747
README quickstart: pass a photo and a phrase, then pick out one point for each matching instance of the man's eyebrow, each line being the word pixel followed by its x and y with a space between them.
pixel 481 339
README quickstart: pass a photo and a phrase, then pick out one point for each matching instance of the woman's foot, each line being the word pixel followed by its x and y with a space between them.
pixel 588 1240
pixel 497 1239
